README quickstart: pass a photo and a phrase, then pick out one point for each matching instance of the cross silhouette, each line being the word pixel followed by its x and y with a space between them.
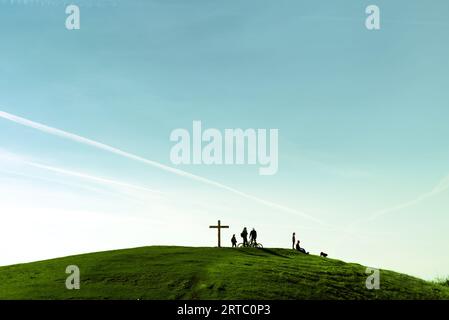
pixel 219 227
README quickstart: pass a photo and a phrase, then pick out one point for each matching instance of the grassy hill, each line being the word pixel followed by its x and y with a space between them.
pixel 207 273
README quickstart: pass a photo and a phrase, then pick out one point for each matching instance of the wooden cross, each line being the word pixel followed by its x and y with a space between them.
pixel 219 227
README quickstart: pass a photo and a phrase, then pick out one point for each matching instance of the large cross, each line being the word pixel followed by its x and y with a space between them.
pixel 219 227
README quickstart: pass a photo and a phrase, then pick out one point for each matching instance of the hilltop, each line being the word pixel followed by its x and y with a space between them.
pixel 207 273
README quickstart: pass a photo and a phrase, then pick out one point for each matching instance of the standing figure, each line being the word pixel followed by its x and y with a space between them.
pixel 234 241
pixel 253 237
pixel 244 235
pixel 293 241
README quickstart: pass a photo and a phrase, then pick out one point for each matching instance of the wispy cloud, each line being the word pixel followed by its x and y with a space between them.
pixel 104 181
pixel 441 186
pixel 108 148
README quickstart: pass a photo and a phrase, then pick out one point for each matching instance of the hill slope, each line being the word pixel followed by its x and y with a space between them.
pixel 207 273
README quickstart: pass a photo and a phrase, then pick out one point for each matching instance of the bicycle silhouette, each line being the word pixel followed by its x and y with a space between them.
pixel 251 244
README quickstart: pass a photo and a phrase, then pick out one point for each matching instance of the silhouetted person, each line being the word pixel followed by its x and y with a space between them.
pixel 300 249
pixel 253 236
pixel 293 241
pixel 234 241
pixel 244 235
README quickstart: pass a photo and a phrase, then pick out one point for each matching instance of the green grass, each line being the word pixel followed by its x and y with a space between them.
pixel 207 273
pixel 443 281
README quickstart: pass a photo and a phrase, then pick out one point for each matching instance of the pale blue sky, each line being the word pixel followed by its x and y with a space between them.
pixel 362 117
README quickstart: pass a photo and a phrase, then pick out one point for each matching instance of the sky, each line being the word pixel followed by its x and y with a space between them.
pixel 362 119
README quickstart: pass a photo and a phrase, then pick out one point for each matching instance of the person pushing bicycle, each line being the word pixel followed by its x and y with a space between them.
pixel 253 236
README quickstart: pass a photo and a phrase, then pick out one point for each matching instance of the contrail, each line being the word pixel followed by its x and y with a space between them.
pixel 105 147
pixel 442 186
pixel 90 177
pixel 78 174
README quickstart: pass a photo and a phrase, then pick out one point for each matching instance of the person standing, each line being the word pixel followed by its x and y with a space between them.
pixel 234 241
pixel 244 235
pixel 253 236
pixel 293 241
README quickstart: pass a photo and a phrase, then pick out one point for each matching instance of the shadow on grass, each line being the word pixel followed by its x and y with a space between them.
pixel 274 253
pixel 258 252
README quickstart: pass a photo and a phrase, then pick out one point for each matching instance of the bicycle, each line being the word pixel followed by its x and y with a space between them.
pixel 251 245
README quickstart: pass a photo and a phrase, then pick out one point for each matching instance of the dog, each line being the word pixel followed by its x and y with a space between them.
pixel 322 254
